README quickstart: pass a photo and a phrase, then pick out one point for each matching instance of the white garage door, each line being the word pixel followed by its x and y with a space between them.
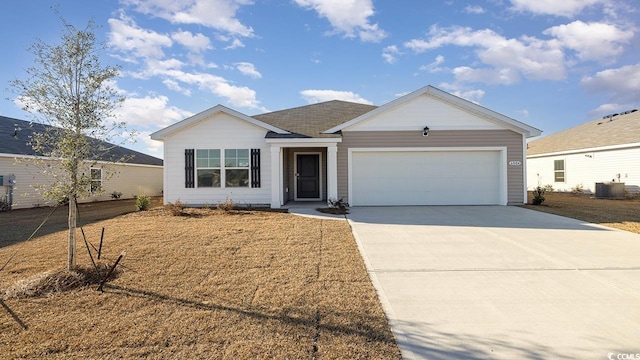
pixel 425 178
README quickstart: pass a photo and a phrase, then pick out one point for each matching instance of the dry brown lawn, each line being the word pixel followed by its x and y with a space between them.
pixel 620 214
pixel 211 285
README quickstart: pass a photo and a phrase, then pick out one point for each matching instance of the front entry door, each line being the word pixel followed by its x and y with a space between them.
pixel 307 176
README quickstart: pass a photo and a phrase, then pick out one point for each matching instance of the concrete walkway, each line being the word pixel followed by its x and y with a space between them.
pixel 479 282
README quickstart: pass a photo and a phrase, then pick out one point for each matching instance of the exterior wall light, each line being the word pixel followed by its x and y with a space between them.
pixel 425 131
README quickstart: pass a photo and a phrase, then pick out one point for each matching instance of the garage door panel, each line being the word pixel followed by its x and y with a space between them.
pixel 425 178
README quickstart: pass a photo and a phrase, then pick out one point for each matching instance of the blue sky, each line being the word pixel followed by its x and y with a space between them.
pixel 551 64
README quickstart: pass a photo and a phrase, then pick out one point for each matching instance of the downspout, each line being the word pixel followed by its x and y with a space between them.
pixel 524 167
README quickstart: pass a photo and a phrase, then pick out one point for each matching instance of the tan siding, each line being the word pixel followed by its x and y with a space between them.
pixel 450 138
pixel 130 180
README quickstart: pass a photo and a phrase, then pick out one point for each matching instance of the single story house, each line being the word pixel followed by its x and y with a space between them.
pixel 599 151
pixel 428 147
pixel 19 176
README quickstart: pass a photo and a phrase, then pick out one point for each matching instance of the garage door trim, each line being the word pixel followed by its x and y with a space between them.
pixel 502 166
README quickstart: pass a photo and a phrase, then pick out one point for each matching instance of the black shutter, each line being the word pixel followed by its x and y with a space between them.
pixel 189 168
pixel 255 168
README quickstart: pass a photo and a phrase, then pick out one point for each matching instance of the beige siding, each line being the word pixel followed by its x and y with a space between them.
pixel 470 138
pixel 586 169
pixel 129 179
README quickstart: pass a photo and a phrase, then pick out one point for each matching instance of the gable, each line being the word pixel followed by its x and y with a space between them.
pixel 422 111
pixel 207 114
pixel 221 129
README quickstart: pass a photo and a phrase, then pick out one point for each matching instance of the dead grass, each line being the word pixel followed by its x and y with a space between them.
pixel 208 285
pixel 620 214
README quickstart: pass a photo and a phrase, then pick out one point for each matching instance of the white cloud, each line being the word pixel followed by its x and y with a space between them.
pixel 566 8
pixel 150 112
pixel 216 14
pixel 508 59
pixel 505 76
pixel 434 66
pixel 128 38
pixel 474 9
pixel 350 17
pixel 316 96
pixel 592 41
pixel 236 43
pixel 390 53
pixel 623 84
pixel 195 43
pixel 248 69
pixel 473 95
pixel 240 96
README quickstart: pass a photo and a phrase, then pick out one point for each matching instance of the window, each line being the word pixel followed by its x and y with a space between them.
pixel 236 163
pixel 558 171
pixel 208 165
pixel 96 180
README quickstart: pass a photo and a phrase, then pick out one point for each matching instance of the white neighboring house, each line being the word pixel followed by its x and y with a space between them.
pixel 428 147
pixel 142 174
pixel 599 151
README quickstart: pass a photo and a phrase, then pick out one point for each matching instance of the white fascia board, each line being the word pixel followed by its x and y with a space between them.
pixel 163 133
pixel 466 105
pixel 593 149
pixel 304 142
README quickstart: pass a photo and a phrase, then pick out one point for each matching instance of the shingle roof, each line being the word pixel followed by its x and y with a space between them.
pixel 312 120
pixel 15 137
pixel 615 130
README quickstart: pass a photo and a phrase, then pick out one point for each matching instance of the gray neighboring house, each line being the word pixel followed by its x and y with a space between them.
pixel 142 174
pixel 428 147
pixel 599 151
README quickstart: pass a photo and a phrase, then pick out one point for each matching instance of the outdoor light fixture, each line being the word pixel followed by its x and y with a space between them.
pixel 425 131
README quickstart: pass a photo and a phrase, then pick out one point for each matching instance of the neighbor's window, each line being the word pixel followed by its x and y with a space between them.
pixel 96 180
pixel 208 165
pixel 236 163
pixel 558 170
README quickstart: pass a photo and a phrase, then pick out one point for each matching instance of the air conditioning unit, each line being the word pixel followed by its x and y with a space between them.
pixel 610 190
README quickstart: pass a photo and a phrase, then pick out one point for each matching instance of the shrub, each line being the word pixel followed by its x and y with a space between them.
pixel 176 208
pixel 116 195
pixel 226 205
pixel 5 205
pixel 538 195
pixel 548 188
pixel 338 204
pixel 143 202
pixel 577 190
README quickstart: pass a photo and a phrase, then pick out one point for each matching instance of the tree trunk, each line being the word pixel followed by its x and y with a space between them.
pixel 72 233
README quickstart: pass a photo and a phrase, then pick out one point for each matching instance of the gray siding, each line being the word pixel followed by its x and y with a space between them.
pixel 450 138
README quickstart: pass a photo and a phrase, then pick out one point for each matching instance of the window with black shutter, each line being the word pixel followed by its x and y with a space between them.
pixel 255 168
pixel 189 170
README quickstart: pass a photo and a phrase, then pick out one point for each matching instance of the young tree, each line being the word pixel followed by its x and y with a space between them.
pixel 69 89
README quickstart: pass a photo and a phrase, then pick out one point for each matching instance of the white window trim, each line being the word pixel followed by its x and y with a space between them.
pixel 223 177
pixel 197 181
pixel 223 169
pixel 564 171
pixel 92 180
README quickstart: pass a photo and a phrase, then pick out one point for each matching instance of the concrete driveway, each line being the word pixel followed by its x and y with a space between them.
pixel 478 282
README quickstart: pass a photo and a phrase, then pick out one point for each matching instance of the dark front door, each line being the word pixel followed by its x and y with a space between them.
pixel 307 176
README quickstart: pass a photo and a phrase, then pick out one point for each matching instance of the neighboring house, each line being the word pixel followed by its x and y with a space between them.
pixel 599 151
pixel 19 176
pixel 425 148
